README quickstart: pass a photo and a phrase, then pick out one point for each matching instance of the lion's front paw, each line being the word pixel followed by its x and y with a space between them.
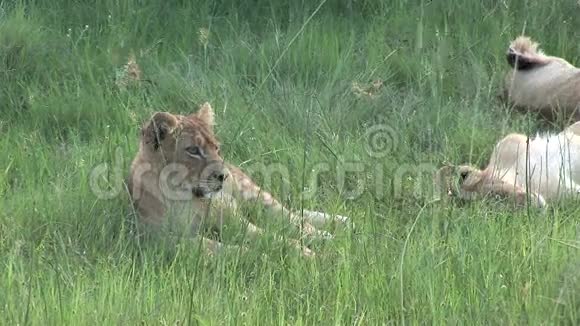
pixel 307 252
pixel 539 201
pixel 304 250
pixel 308 230
pixel 345 220
pixel 342 219
pixel 325 235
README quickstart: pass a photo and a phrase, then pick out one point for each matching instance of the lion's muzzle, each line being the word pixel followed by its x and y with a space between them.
pixel 212 180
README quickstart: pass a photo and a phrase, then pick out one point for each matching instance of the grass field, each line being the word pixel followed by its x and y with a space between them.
pixel 280 76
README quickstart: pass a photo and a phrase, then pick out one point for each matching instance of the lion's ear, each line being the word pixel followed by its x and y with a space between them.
pixel 158 128
pixel 206 114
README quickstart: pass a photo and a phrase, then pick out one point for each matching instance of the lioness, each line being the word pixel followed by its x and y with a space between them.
pixel 179 180
pixel 553 169
pixel 540 83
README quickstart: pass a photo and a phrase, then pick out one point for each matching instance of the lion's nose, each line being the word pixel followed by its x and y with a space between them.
pixel 219 176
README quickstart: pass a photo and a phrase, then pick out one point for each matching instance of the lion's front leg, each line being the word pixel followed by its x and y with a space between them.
pixel 247 190
pixel 254 232
pixel 320 218
pixel 517 193
pixel 223 210
pixel 214 247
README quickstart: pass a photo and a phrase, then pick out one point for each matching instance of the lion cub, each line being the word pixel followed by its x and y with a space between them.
pixel 539 83
pixel 179 180
pixel 553 170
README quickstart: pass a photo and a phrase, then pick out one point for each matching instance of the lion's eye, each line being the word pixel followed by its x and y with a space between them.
pixel 463 175
pixel 194 151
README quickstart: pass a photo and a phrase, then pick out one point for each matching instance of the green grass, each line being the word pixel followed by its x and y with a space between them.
pixel 279 76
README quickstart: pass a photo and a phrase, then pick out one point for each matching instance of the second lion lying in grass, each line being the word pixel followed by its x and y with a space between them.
pixel 179 180
pixel 540 83
pixel 549 167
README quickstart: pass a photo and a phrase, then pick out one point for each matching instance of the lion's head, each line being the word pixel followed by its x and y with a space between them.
pixel 186 151
pixel 461 181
